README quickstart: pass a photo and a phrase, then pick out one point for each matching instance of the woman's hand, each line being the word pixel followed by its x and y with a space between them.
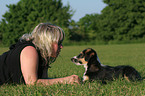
pixel 74 79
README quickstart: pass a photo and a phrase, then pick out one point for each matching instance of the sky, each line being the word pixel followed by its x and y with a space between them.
pixel 81 7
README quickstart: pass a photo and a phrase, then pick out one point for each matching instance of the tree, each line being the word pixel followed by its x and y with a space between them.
pixel 122 20
pixel 85 29
pixel 26 14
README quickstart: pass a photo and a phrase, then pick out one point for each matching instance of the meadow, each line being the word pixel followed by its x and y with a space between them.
pixel 113 55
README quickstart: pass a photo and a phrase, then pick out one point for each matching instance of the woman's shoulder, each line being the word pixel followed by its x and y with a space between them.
pixel 29 52
pixel 22 44
pixel 29 49
pixel 22 47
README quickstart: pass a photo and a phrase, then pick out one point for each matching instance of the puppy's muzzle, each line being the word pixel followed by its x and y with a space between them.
pixel 74 60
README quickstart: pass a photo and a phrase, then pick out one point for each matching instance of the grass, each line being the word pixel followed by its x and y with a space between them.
pixel 125 54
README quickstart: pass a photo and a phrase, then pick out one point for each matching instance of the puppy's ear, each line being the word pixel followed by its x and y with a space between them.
pixel 93 61
pixel 87 57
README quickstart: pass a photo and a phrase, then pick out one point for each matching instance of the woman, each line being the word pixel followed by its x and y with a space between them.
pixel 28 60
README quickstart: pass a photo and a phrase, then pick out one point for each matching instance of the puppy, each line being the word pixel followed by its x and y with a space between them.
pixel 94 70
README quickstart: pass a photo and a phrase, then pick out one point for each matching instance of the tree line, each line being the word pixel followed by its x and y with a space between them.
pixel 119 21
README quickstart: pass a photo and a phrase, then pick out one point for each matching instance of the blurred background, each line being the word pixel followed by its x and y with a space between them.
pixel 84 21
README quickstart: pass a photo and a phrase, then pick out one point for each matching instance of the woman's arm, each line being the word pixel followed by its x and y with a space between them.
pixel 73 79
pixel 29 66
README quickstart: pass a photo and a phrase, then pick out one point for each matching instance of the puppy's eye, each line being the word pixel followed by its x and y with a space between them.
pixel 80 56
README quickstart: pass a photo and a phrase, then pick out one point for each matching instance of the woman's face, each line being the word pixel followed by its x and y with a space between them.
pixel 56 47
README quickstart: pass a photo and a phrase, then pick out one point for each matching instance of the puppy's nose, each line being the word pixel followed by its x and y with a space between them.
pixel 72 59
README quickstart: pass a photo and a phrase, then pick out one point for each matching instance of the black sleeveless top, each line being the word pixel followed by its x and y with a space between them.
pixel 10 68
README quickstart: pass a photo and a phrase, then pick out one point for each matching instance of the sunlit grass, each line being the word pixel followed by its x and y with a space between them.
pixel 128 54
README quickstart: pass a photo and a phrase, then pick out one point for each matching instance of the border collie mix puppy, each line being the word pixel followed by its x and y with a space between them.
pixel 94 70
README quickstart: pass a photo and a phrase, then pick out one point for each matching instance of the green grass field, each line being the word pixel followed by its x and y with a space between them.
pixel 125 54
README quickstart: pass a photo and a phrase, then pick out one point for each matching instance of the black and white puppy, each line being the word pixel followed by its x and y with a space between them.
pixel 94 70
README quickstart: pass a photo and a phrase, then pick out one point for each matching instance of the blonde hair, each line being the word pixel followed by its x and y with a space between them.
pixel 43 35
